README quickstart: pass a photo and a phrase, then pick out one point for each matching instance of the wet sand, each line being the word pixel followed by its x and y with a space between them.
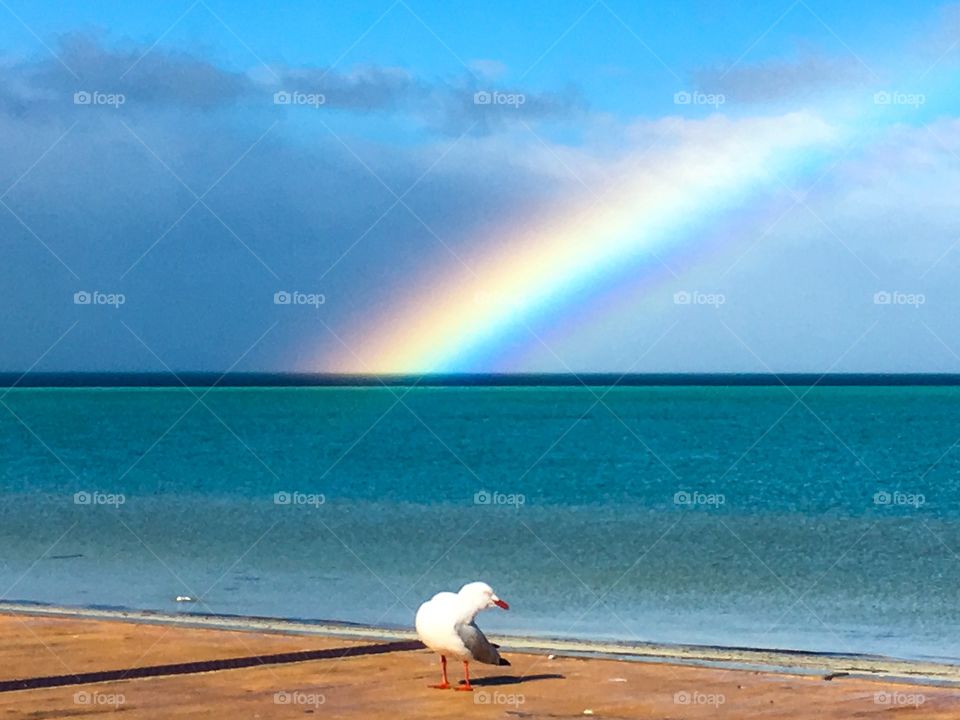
pixel 287 676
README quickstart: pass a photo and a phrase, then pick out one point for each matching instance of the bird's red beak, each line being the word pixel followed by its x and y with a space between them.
pixel 501 604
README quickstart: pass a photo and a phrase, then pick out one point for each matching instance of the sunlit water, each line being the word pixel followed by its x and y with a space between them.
pixel 733 516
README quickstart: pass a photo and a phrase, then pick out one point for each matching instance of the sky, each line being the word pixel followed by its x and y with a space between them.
pixel 416 187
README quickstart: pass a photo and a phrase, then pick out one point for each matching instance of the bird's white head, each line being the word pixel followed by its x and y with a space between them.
pixel 480 596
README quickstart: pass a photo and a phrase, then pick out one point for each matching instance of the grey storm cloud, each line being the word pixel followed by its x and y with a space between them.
pixel 780 79
pixel 490 109
pixel 107 199
pixel 363 89
pixel 160 77
pixel 151 78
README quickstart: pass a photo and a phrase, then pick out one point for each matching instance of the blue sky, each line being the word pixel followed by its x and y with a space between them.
pixel 198 197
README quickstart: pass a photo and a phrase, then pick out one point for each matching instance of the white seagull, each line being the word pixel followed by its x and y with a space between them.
pixel 445 625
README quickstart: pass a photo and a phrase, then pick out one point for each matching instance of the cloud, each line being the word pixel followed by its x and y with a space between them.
pixel 489 108
pixel 361 89
pixel 159 78
pixel 100 189
pixel 781 79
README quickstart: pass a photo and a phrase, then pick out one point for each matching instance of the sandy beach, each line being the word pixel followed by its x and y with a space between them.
pixel 56 667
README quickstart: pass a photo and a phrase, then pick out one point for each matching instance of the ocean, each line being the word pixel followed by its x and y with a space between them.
pixel 821 519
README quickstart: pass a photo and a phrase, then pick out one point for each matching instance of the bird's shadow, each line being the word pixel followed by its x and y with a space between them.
pixel 513 679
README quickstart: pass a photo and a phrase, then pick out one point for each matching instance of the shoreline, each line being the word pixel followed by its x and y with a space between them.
pixel 767 660
pixel 55 664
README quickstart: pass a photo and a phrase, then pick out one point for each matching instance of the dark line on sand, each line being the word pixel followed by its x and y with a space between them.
pixel 203 666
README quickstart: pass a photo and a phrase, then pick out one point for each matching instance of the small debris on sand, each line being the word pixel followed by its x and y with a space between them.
pixel 832 676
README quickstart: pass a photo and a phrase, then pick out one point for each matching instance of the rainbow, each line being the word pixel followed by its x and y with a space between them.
pixel 710 168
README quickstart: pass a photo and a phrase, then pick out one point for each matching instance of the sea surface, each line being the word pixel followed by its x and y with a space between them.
pixel 821 519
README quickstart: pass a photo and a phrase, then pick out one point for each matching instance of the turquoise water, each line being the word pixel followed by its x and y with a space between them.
pixel 829 524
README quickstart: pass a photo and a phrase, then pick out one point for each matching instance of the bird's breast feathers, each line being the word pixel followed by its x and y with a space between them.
pixel 436 625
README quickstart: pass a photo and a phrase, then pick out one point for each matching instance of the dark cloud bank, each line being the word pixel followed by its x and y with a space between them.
pixel 102 196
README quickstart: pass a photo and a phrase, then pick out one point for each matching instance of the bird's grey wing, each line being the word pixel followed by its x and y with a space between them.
pixel 480 648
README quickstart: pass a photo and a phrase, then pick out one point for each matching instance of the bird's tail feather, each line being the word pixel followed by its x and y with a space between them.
pixel 503 661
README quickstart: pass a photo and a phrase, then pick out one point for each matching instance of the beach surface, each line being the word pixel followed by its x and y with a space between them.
pixel 53 667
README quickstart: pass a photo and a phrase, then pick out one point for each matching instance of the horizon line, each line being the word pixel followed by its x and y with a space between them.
pixel 203 378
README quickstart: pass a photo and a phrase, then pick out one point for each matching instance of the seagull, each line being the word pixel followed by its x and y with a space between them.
pixel 445 625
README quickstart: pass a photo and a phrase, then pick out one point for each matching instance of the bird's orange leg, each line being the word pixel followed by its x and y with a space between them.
pixel 444 683
pixel 467 687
